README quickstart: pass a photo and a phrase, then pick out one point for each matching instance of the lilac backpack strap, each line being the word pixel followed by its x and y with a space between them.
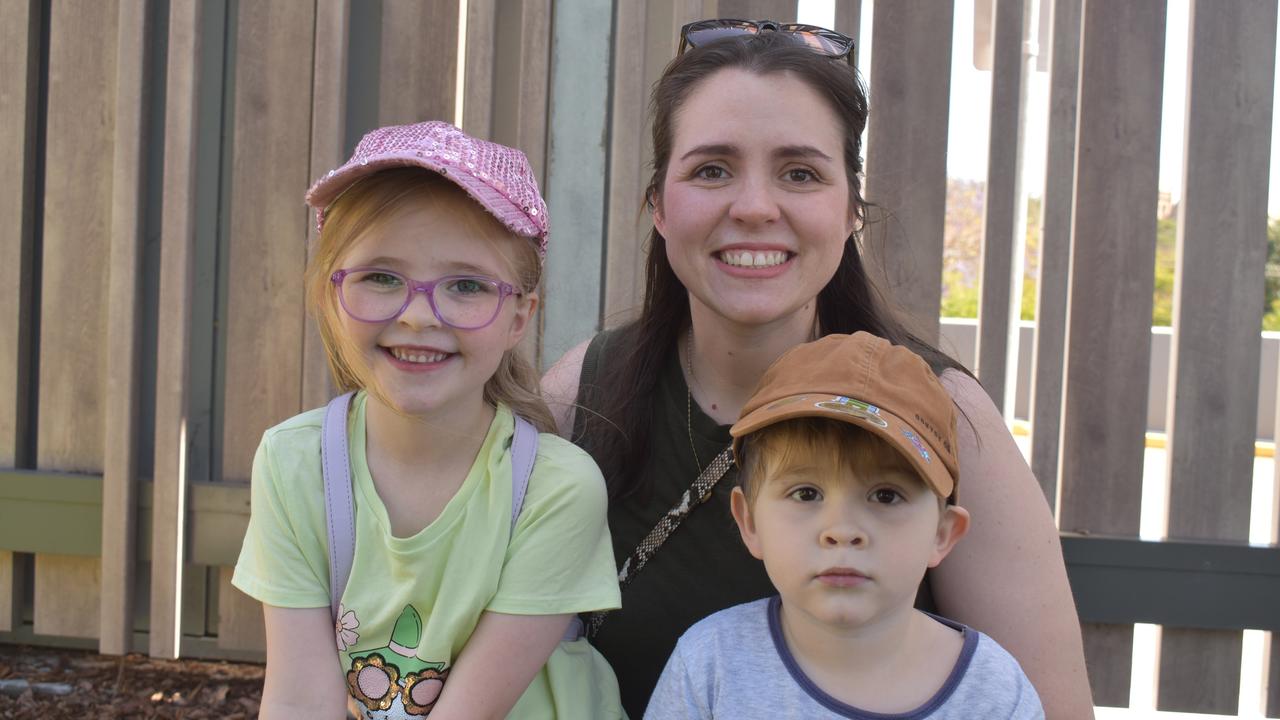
pixel 524 449
pixel 340 507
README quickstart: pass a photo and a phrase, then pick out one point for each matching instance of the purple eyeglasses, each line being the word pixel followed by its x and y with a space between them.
pixel 464 302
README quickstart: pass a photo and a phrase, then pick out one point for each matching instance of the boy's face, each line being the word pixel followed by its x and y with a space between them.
pixel 846 551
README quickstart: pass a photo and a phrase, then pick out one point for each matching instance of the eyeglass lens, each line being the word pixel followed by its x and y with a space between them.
pixel 464 302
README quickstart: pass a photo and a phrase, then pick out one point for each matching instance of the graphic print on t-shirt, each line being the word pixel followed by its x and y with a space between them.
pixel 392 682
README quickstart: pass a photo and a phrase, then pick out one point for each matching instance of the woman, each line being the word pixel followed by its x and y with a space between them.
pixel 757 206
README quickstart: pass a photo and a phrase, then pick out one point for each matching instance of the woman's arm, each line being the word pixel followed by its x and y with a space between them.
pixel 303 676
pixel 560 388
pixel 501 658
pixel 1007 577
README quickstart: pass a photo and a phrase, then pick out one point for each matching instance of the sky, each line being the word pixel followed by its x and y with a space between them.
pixel 967 154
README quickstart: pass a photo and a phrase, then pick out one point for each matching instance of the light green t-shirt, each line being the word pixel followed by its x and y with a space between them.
pixel 411 603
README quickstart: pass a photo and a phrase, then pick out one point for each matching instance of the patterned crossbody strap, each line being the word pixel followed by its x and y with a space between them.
pixel 695 495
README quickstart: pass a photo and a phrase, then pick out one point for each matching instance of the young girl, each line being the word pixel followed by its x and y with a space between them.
pixel 460 594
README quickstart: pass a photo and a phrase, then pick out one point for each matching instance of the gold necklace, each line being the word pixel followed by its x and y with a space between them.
pixel 688 398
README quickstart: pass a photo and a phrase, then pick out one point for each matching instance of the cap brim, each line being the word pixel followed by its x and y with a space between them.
pixel 331 186
pixel 878 421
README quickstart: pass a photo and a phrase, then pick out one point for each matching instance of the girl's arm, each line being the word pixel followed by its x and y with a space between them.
pixel 499 661
pixel 560 388
pixel 303 677
pixel 1007 577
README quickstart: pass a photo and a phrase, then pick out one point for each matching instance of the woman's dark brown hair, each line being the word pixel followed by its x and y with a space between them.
pixel 617 433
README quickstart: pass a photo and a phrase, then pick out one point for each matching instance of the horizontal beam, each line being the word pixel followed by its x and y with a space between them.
pixel 61 514
pixel 193 646
pixel 1209 585
pixel 1115 580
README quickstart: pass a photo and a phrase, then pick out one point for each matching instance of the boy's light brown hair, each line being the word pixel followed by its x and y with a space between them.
pixel 834 449
pixel 884 390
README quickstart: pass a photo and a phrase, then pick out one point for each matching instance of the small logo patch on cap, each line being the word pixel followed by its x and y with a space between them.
pixel 920 448
pixel 856 408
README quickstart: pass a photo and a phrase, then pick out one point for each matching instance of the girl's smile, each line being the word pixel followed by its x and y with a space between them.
pixel 417 359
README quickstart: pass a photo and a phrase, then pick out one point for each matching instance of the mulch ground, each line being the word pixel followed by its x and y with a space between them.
pixel 132 686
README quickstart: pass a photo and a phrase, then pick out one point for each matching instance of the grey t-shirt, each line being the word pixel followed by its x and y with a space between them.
pixel 736 664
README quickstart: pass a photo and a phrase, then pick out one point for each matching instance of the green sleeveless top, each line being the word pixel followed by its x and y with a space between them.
pixel 703 567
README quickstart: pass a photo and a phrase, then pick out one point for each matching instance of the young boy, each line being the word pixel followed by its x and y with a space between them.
pixel 848 470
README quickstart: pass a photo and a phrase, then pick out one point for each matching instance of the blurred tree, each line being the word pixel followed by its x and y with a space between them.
pixel 1271 303
pixel 962 251
pixel 962 254
pixel 1166 260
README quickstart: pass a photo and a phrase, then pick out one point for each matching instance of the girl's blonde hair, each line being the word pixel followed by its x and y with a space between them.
pixel 363 208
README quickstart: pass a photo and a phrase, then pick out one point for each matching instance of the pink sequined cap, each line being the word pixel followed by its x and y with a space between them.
pixel 498 177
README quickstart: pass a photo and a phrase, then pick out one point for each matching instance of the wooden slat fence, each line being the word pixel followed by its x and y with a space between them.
pixel 153 240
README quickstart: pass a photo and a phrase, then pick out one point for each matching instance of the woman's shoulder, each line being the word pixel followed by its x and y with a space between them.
pixel 975 405
pixel 562 381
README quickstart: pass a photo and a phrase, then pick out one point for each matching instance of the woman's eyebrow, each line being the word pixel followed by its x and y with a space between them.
pixel 712 149
pixel 801 152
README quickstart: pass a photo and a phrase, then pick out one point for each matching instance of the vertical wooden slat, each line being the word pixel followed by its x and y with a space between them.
pixel 1272 678
pixel 66 595
pixel 240 623
pixel 782 11
pixel 629 149
pixel 576 163
pixel 521 80
pixel 419 63
pixel 6 591
pixel 477 82
pixel 907 152
pixel 646 39
pixel 1055 247
pixel 1111 285
pixel 328 129
pixel 20 34
pixel 177 240
pixel 1222 254
pixel 77 225
pixel 849 18
pixel 270 173
pixel 1000 231
pixel 520 91
pixel 124 332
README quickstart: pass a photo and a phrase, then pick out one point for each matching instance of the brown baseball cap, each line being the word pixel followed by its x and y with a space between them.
pixel 864 380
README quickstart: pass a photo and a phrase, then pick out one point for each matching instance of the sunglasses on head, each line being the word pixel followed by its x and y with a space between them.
pixel 821 40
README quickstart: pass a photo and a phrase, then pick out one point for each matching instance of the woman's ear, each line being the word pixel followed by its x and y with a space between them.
pixel 654 201
pixel 526 310
pixel 952 525
pixel 741 510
